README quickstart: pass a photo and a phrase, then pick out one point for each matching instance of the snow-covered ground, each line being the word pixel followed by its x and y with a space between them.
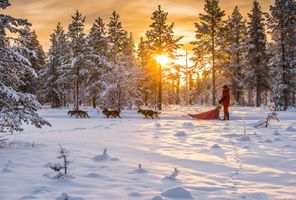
pixel 213 158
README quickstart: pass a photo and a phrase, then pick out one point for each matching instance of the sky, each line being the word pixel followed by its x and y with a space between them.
pixel 135 14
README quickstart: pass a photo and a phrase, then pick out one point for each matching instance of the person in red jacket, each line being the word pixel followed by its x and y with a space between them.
pixel 225 100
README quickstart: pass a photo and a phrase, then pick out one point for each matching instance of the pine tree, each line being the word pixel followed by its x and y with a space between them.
pixel 133 93
pixel 98 43
pixel 116 37
pixel 235 35
pixel 79 60
pixel 282 23
pixel 37 58
pixel 119 79
pixel 16 107
pixel 161 41
pixel 258 73
pixel 207 47
pixel 56 87
pixel 147 83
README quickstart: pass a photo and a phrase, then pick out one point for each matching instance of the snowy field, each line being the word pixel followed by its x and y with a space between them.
pixel 215 160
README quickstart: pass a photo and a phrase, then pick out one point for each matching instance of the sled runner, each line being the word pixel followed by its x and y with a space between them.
pixel 209 115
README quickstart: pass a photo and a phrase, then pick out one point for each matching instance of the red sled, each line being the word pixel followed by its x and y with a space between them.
pixel 209 115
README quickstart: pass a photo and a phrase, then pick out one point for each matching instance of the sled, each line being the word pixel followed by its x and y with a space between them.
pixel 209 115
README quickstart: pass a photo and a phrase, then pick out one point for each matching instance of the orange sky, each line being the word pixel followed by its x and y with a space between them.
pixel 135 14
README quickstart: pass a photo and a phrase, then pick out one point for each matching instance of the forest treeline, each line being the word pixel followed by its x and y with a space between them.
pixel 105 68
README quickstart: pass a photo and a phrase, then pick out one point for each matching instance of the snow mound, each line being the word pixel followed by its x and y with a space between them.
pixel 93 175
pixel 187 124
pixel 258 123
pixel 102 157
pixel 48 164
pixel 232 135
pixel 140 170
pixel 41 190
pixel 28 197
pixel 244 138
pixel 6 170
pixel 135 194
pixel 226 128
pixel 114 159
pixel 157 198
pixel 173 176
pixel 65 196
pixel 157 125
pixel 268 141
pixel 216 146
pixel 177 193
pixel 276 132
pixel 291 128
pixel 180 134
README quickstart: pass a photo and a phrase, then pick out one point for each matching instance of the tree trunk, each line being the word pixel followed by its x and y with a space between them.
pixel 159 104
pixel 213 69
pixel 213 87
pixel 178 91
pixel 249 97
pixel 77 90
pixel 94 103
pixel 258 98
pixel 284 73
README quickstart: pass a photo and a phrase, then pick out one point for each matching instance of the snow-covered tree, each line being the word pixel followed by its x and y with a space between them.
pixel 58 167
pixel 148 82
pixel 282 23
pixel 16 107
pixel 207 47
pixel 55 84
pixel 77 68
pixel 98 43
pixel 161 41
pixel 235 35
pixel 120 78
pixel 116 37
pixel 37 57
pixel 257 76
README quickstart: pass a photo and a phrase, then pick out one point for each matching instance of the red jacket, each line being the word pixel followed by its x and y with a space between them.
pixel 225 97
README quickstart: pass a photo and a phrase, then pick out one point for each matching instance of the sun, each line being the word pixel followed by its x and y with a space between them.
pixel 162 59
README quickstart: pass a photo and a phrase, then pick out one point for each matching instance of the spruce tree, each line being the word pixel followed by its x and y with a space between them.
pixel 118 79
pixel 16 107
pixel 56 87
pixel 116 37
pixel 98 43
pixel 148 81
pixel 161 41
pixel 79 60
pixel 282 23
pixel 37 58
pixel 257 76
pixel 235 35
pixel 207 47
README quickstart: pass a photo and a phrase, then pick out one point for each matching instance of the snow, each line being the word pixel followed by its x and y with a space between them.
pixel 214 160
pixel 177 193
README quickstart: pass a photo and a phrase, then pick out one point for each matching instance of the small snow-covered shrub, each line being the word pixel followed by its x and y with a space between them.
pixel 102 157
pixel 61 168
pixel 174 175
pixel 271 115
pixel 65 196
pixel 7 166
